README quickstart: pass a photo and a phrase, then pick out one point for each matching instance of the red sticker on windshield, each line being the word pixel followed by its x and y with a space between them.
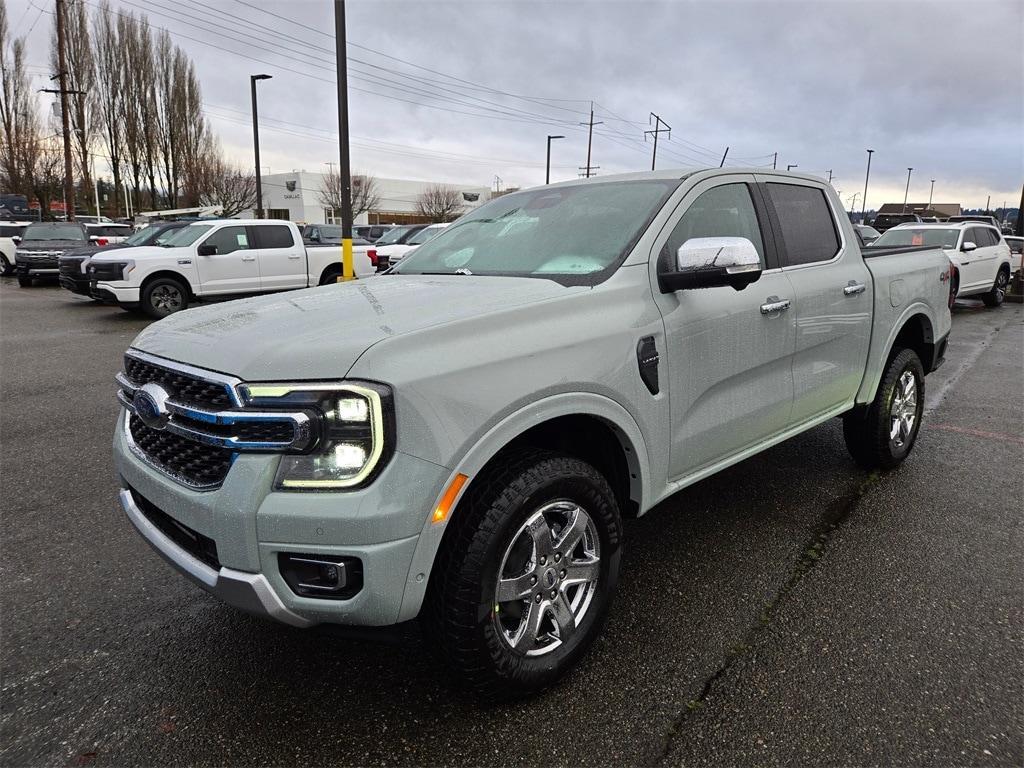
pixel 917 239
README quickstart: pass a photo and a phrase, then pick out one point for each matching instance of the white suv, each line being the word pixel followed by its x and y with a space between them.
pixel 978 251
pixel 8 231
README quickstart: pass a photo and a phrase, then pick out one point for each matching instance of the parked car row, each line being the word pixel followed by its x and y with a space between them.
pixel 40 244
pixel 981 256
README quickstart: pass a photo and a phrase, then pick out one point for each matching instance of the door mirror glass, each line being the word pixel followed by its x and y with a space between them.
pixel 207 250
pixel 968 246
pixel 707 262
pixel 16 239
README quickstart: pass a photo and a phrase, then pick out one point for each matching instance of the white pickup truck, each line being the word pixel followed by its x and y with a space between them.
pixel 217 259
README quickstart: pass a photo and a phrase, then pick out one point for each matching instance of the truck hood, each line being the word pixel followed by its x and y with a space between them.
pixel 319 333
pixel 139 252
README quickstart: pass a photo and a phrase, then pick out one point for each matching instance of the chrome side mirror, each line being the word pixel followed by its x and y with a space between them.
pixel 968 246
pixel 707 262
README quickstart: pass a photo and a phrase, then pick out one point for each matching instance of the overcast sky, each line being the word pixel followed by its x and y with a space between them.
pixel 462 92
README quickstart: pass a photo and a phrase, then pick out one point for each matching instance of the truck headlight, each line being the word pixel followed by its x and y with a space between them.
pixel 356 434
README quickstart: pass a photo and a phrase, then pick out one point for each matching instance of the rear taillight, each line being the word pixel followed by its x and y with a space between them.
pixel 372 253
pixel 101 241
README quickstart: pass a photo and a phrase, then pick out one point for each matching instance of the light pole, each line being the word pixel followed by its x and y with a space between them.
pixel 344 167
pixel 256 143
pixel 547 167
pixel 907 192
pixel 931 194
pixel 864 199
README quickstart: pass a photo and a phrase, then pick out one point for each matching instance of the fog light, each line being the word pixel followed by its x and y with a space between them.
pixel 330 577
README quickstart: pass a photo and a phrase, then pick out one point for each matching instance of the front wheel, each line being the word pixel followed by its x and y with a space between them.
pixel 995 296
pixel 163 297
pixel 524 580
pixel 6 266
pixel 882 435
pixel 25 281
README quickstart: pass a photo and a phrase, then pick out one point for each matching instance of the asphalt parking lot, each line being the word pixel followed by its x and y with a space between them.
pixel 789 611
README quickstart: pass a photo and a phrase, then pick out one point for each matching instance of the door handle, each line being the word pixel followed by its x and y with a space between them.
pixel 853 288
pixel 294 255
pixel 775 304
pixel 248 258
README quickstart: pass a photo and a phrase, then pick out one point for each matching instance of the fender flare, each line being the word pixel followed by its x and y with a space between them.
pixel 873 375
pixel 501 434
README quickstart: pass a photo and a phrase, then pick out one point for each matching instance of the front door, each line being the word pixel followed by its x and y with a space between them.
pixel 833 294
pixel 729 352
pixel 234 267
pixel 978 267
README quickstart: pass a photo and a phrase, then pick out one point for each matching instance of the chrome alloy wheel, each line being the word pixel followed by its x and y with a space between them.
pixel 1000 287
pixel 547 578
pixel 166 297
pixel 903 412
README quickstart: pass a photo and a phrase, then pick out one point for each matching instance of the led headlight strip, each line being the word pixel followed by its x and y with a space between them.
pixel 339 414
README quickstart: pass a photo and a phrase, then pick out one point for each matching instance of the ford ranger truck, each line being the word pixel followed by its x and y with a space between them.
pixel 459 439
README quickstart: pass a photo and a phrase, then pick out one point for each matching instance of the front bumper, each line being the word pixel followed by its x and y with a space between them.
pixel 114 294
pixel 251 524
pixel 35 266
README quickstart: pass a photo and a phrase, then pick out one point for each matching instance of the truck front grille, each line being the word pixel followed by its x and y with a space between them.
pixel 195 464
pixel 188 389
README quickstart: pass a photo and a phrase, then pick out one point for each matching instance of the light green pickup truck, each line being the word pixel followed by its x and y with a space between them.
pixel 458 440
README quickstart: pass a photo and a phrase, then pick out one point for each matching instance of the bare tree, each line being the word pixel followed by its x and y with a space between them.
pixel 81 76
pixel 227 186
pixel 440 203
pixel 19 116
pixel 110 94
pixel 365 197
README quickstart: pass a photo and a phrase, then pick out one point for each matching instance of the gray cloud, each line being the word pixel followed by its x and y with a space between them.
pixel 933 85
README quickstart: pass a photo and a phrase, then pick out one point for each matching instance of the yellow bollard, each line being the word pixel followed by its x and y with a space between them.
pixel 347 267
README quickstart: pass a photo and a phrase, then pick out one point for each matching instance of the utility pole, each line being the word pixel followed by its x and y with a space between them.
pixel 547 166
pixel 340 54
pixel 62 74
pixel 988 200
pixel 931 194
pixel 907 192
pixel 658 122
pixel 775 161
pixel 1018 228
pixel 829 175
pixel 497 184
pixel 724 155
pixel 590 136
pixel 864 200
pixel 256 143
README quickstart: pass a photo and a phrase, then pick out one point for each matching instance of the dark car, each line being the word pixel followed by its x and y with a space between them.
pixel 372 232
pixel 328 234
pixel 41 247
pixel 884 221
pixel 73 263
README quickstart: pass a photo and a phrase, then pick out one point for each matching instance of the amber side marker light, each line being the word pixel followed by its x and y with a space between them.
pixel 448 500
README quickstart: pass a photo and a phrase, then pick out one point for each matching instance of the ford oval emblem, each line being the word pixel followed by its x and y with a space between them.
pixel 150 402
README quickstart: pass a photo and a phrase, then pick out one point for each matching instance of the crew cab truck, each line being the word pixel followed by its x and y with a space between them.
pixel 216 259
pixel 459 439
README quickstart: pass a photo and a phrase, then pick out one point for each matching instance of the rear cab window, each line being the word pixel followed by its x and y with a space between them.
pixel 807 229
pixel 274 236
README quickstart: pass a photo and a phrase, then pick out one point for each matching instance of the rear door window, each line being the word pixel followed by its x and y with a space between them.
pixel 808 231
pixel 274 236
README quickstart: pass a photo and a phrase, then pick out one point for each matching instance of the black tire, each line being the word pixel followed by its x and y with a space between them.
pixel 330 276
pixel 464 618
pixel 6 266
pixel 869 432
pixel 25 281
pixel 164 296
pixel 995 296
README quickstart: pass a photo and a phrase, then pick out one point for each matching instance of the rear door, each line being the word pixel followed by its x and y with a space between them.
pixel 729 352
pixel 282 257
pixel 833 296
pixel 234 267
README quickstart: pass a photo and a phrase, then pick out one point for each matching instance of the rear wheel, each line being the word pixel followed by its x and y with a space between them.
pixel 25 281
pixel 164 296
pixel 524 580
pixel 330 275
pixel 883 434
pixel 995 296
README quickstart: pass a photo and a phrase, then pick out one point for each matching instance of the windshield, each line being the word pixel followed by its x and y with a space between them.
pixel 423 235
pixel 54 232
pixel 941 238
pixel 144 236
pixel 392 236
pixel 185 235
pixel 576 233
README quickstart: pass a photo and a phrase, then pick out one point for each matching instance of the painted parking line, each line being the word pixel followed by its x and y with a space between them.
pixel 979 433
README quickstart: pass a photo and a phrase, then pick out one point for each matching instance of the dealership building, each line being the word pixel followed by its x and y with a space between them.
pixel 296 197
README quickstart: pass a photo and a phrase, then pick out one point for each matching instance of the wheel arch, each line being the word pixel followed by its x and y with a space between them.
pixel 914 330
pixel 591 427
pixel 167 273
